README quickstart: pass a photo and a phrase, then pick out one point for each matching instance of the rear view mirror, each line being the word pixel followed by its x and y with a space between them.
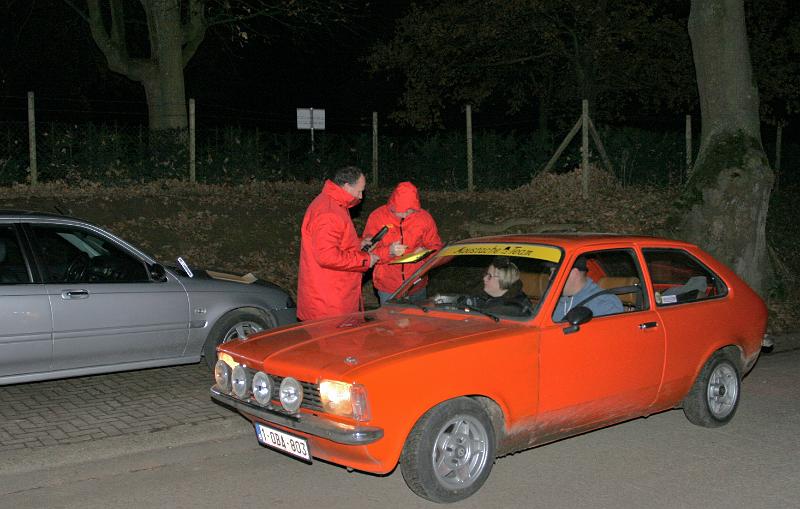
pixel 575 317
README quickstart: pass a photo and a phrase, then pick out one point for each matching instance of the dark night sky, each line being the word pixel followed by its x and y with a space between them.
pixel 45 47
pixel 49 50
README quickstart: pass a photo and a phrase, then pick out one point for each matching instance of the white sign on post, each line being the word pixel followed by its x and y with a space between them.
pixel 309 118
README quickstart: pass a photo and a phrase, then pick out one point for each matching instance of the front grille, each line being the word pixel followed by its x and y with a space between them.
pixel 311 397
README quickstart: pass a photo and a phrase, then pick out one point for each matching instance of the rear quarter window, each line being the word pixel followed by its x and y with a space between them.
pixel 678 277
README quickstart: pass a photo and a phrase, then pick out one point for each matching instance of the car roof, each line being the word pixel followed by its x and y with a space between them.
pixel 32 214
pixel 575 240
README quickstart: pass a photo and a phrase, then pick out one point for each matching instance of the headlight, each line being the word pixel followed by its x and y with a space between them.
pixel 291 394
pixel 262 388
pixel 240 380
pixel 347 400
pixel 222 375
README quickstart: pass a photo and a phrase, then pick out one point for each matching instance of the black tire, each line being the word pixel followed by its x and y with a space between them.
pixel 450 451
pixel 233 325
pixel 714 397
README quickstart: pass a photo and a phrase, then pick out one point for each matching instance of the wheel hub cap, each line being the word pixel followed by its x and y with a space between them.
pixel 723 391
pixel 460 452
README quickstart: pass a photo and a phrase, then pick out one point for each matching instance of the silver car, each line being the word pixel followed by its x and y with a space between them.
pixel 77 300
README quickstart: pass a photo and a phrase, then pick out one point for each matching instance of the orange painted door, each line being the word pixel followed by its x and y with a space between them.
pixel 610 369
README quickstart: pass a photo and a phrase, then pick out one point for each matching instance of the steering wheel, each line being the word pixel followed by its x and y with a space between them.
pixel 76 270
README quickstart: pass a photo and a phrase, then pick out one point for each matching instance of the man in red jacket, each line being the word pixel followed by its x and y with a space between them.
pixel 411 230
pixel 331 259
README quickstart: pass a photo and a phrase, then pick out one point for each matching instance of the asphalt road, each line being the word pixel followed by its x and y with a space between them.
pixel 659 462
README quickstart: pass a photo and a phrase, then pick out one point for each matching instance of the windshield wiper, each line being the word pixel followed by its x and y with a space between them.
pixel 407 300
pixel 470 307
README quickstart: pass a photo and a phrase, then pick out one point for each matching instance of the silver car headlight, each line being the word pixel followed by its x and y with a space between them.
pixel 222 375
pixel 347 400
pixel 262 388
pixel 291 394
pixel 240 381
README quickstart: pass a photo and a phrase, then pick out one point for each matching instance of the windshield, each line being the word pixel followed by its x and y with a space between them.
pixel 499 280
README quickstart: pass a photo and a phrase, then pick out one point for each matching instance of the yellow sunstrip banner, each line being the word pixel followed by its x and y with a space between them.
pixel 413 257
pixel 548 253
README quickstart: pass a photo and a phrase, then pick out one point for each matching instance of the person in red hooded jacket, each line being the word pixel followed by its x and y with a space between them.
pixel 331 260
pixel 411 229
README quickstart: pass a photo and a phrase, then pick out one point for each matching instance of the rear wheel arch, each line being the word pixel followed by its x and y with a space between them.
pixel 714 397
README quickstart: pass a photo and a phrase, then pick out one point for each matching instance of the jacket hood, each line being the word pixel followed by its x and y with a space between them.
pixel 335 347
pixel 405 196
pixel 339 194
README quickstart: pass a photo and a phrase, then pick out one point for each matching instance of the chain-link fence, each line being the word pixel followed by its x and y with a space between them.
pixel 236 147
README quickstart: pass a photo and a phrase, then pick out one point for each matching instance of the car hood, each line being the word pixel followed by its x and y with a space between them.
pixel 334 347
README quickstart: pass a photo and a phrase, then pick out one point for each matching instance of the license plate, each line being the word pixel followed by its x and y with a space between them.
pixel 285 442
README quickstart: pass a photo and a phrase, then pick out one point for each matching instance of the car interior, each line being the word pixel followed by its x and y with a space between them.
pixel 12 265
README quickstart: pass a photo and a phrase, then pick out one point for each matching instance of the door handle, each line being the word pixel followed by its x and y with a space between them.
pixel 75 294
pixel 648 325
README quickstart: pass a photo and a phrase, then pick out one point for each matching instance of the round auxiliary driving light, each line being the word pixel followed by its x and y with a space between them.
pixel 291 394
pixel 222 375
pixel 262 388
pixel 240 380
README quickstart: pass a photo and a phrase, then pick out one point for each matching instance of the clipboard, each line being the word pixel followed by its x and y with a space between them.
pixel 413 257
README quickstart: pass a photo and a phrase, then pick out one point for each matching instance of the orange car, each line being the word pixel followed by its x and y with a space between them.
pixel 516 341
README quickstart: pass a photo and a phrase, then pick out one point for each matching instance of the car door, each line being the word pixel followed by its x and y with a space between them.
pixel 609 369
pixel 106 309
pixel 26 341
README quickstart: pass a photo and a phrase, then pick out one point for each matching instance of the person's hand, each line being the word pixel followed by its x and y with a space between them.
pixel 396 248
pixel 373 259
pixel 365 241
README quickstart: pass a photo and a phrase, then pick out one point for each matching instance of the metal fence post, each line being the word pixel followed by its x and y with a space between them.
pixel 688 147
pixel 32 140
pixel 585 148
pixel 375 148
pixel 470 185
pixel 192 146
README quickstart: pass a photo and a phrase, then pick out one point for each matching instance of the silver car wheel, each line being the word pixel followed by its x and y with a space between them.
pixel 241 330
pixel 723 390
pixel 460 452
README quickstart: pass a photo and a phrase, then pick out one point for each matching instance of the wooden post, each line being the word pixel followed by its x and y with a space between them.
pixel 600 148
pixel 374 148
pixel 563 146
pixel 688 147
pixel 192 146
pixel 470 184
pixel 32 140
pixel 585 148
pixel 778 139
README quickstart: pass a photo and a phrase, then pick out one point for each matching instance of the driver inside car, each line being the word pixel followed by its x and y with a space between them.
pixel 502 290
pixel 580 290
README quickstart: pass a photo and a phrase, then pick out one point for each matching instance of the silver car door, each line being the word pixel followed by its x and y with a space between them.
pixel 106 309
pixel 26 341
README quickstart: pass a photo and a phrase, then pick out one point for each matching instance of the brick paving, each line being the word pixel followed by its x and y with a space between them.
pixel 74 410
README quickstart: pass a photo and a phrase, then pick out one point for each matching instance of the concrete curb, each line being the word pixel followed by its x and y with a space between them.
pixel 26 460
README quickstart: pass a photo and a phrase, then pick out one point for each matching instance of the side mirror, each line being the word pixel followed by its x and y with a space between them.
pixel 157 272
pixel 575 317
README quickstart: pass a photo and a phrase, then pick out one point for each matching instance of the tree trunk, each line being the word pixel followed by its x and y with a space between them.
pixel 166 96
pixel 728 195
pixel 172 44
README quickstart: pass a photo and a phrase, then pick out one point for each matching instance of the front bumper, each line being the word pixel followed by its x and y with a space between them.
pixel 306 423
